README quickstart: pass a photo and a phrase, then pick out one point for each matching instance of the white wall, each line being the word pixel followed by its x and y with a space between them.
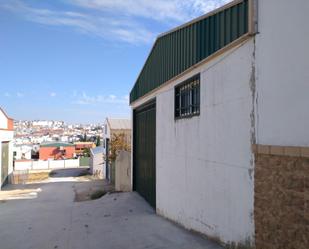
pixel 56 164
pixel 97 165
pixel 123 172
pixel 48 164
pixel 10 157
pixel 3 121
pixel 37 165
pixel 204 164
pixel 23 165
pixel 282 54
pixel 6 135
pixel 71 163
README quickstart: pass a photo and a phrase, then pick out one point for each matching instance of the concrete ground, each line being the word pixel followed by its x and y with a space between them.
pixel 44 215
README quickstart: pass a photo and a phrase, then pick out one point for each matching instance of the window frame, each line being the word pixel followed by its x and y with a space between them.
pixel 184 92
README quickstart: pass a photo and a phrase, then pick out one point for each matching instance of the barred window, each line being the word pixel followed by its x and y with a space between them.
pixel 187 98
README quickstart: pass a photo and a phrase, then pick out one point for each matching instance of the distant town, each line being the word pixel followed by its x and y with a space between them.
pixel 29 135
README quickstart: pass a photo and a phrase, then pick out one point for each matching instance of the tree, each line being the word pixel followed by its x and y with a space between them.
pixel 86 152
pixel 84 139
pixel 118 142
pixel 98 143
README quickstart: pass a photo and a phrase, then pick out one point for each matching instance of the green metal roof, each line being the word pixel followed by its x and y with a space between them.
pixel 183 47
pixel 56 144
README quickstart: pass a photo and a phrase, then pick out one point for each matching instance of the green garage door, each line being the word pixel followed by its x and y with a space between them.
pixel 144 151
pixel 5 161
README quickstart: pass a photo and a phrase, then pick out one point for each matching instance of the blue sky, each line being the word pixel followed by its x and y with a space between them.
pixel 77 60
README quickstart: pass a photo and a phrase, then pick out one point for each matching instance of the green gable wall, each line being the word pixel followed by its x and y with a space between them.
pixel 181 49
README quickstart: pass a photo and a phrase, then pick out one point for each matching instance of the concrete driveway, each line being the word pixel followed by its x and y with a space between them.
pixel 46 216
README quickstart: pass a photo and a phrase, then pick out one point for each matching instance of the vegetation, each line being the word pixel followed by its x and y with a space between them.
pixel 118 142
pixel 37 176
pixel 98 142
pixel 86 152
pixel 84 138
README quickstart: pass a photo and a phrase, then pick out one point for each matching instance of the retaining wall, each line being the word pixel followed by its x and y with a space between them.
pixel 281 197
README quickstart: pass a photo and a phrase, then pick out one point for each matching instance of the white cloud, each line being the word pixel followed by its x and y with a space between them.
pixel 107 27
pixel 85 99
pixel 121 20
pixel 20 95
pixel 160 10
pixel 52 94
pixel 6 94
pixel 204 6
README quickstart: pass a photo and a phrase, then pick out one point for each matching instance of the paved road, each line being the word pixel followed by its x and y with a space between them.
pixel 49 218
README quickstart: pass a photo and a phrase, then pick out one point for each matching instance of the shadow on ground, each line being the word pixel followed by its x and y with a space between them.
pixel 69 172
pixel 48 215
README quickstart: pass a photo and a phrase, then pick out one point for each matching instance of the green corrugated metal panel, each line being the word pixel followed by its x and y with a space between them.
pixel 179 50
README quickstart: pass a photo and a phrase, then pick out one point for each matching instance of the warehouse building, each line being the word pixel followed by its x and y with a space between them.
pixel 6 147
pixel 220 124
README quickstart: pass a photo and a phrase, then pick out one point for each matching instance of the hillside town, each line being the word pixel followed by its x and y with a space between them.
pixel 36 132
pixel 195 139
pixel 30 135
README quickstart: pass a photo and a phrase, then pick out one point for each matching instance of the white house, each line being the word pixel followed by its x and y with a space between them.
pixel 97 165
pixel 220 124
pixel 23 151
pixel 115 126
pixel 6 147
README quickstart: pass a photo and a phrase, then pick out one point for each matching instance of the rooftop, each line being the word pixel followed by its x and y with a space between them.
pixel 119 124
pixel 181 49
pixel 97 150
pixel 56 144
pixel 81 143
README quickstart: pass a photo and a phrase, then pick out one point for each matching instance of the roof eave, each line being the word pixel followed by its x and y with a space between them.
pixel 211 13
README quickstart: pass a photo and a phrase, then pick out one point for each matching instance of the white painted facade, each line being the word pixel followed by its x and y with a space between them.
pixel 256 92
pixel 283 73
pixel 209 157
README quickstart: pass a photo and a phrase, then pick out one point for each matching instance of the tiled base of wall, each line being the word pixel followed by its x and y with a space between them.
pixel 281 198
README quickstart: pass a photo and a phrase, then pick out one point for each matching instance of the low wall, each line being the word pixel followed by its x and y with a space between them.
pixel 84 161
pixel 281 197
pixel 39 165
pixel 43 165
pixel 123 171
pixel 97 166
